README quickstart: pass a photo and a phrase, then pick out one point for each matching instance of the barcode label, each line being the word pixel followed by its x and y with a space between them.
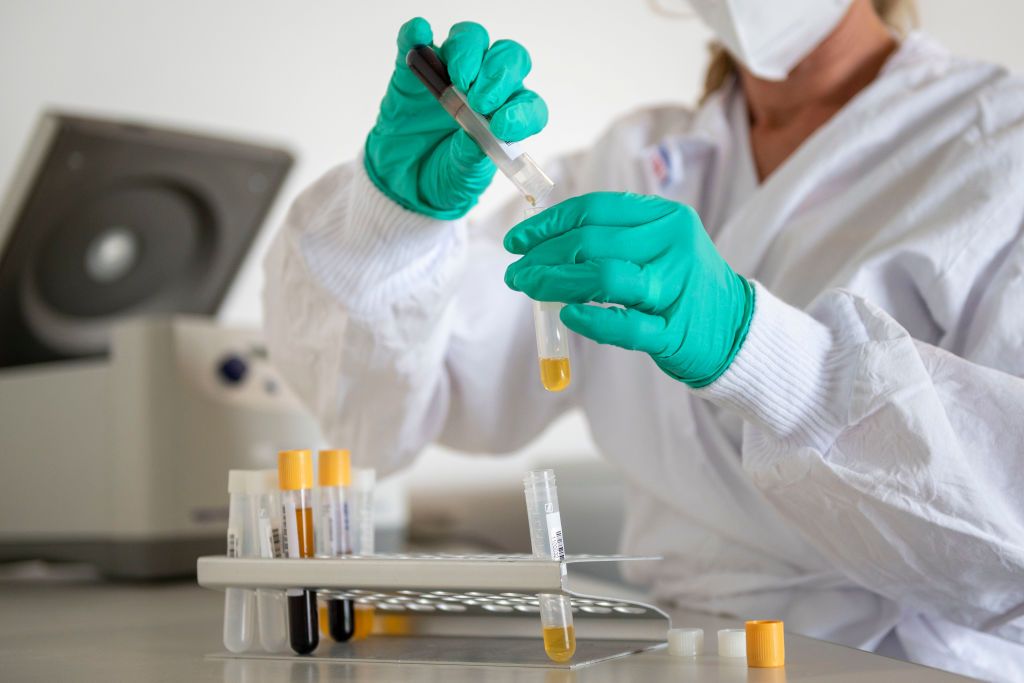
pixel 290 537
pixel 278 544
pixel 554 521
pixel 269 537
pixel 234 543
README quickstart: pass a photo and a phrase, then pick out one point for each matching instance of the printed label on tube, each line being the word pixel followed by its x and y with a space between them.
pixel 290 539
pixel 554 522
pixel 327 522
pixel 266 536
pixel 234 543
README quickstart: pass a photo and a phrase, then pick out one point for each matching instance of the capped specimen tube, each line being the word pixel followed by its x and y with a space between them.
pixel 362 530
pixel 552 338
pixel 240 603
pixel 332 533
pixel 546 538
pixel 295 475
pixel 271 606
pixel 517 166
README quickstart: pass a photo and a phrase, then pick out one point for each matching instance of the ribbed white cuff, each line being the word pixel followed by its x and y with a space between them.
pixel 373 253
pixel 792 376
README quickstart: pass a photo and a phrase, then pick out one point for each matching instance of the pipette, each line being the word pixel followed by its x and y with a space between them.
pixel 517 166
pixel 533 183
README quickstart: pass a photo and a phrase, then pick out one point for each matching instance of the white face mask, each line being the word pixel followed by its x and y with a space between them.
pixel 770 37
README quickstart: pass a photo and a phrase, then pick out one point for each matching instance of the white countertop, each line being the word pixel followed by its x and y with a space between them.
pixel 94 631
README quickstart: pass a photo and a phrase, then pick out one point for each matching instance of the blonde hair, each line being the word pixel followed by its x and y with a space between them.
pixel 898 15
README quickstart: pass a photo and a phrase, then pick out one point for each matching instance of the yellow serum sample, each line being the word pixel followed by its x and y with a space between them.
pixel 325 632
pixel 560 643
pixel 555 373
pixel 363 621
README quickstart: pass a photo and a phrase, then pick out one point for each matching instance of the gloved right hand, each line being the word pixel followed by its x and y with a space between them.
pixel 416 153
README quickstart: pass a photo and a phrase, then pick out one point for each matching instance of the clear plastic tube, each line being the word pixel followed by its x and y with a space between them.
pixel 240 603
pixel 272 608
pixel 363 483
pixel 552 338
pixel 552 345
pixel 548 543
pixel 362 536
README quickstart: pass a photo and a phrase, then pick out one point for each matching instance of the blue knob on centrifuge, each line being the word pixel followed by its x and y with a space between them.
pixel 233 369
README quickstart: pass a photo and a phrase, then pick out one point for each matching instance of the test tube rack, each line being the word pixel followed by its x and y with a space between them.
pixel 452 609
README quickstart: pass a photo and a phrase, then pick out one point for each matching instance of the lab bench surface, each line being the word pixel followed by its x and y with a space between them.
pixel 169 632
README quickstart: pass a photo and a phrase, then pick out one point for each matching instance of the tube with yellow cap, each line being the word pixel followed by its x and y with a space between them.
pixel 295 475
pixel 766 646
pixel 333 539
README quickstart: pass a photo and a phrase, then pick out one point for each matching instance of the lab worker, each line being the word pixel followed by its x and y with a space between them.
pixel 797 314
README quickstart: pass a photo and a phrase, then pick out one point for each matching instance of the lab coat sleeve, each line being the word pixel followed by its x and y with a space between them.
pixel 396 329
pixel 901 462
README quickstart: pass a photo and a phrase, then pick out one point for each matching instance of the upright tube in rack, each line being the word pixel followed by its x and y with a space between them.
pixel 295 473
pixel 335 476
pixel 240 603
pixel 548 543
pixel 272 608
pixel 362 528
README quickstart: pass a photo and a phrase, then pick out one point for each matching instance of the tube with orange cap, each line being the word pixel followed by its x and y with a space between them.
pixel 295 475
pixel 333 538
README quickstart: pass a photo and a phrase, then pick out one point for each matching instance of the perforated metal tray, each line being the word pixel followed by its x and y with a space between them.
pixel 463 609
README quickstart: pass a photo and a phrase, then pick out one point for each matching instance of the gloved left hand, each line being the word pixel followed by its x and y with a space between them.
pixel 679 300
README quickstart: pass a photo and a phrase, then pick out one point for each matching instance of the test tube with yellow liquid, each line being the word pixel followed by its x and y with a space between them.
pixel 552 338
pixel 548 543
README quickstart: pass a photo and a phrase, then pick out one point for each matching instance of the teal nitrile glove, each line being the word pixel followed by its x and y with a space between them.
pixel 416 153
pixel 680 301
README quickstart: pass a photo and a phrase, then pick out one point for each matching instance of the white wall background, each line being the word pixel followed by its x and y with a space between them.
pixel 310 74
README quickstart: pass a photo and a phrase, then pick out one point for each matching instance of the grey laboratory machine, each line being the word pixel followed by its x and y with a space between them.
pixel 123 403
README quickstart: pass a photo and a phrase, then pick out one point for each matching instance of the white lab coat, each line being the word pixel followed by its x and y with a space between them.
pixel 860 466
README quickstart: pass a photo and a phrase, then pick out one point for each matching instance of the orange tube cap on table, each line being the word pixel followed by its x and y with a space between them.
pixel 766 646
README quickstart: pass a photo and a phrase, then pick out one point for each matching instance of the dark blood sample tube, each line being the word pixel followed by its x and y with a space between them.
pixel 295 475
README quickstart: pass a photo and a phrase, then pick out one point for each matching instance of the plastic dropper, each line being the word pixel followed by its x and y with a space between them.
pixel 532 182
pixel 517 166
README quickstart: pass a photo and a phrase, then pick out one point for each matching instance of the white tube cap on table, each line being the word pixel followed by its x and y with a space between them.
pixel 685 642
pixel 732 642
